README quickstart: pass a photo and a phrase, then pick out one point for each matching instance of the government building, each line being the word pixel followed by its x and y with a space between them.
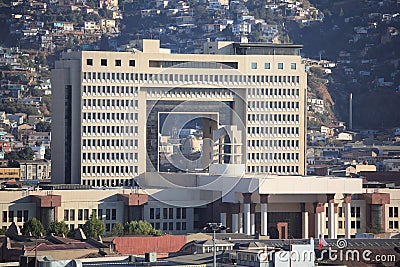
pixel 218 136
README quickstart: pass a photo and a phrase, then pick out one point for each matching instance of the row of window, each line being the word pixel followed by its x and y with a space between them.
pixel 272 143
pixel 117 62
pixel 273 169
pixel 118 90
pixel 272 130
pixel 259 92
pixel 119 170
pixel 169 226
pixel 108 182
pixel 355 211
pixel 136 77
pixel 22 215
pixel 110 116
pixel 273 156
pixel 102 103
pixel 84 214
pixel 267 66
pixel 110 156
pixel 167 213
pixel 272 104
pixel 394 224
pixel 110 129
pixel 353 225
pixel 115 143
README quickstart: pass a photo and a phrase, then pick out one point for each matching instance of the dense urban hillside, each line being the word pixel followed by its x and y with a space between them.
pixel 362 38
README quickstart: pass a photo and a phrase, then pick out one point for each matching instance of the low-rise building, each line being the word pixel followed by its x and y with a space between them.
pixel 34 169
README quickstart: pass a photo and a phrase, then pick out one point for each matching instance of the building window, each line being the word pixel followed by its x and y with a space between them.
pixel 254 65
pixel 72 215
pixel 86 214
pixel 118 63
pixel 132 63
pixel 26 215
pixel 11 216
pixel 89 62
pixel 171 226
pixel 114 214
pixel 19 215
pixel 171 213
pixel 267 65
pixel 66 215
pixel 157 213
pixel 393 212
pixel 108 214
pixel 100 214
pixel 293 66
pixel 152 213
pixel 165 226
pixel 178 213
pixel 80 214
pixel 165 213
pixel 4 216
pixel 340 225
pixel 103 62
pixel 280 66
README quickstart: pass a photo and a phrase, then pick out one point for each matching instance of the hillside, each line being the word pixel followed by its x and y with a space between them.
pixel 362 38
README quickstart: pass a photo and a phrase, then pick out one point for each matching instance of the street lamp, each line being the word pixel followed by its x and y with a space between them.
pixel 214 227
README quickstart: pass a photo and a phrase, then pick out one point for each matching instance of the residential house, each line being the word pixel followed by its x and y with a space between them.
pixel 392 165
pixel 34 169
pixel 42 138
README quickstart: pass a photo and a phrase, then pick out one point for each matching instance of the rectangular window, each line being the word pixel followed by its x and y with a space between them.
pixel 108 214
pixel 86 214
pixel 80 214
pixel 19 216
pixel 114 214
pixel 280 66
pixel 178 213
pixel 158 213
pixel 118 63
pixel 4 216
pixel 293 66
pixel 267 65
pixel 11 216
pixel 72 215
pixel 103 62
pixel 171 213
pixel 26 215
pixel 152 213
pixel 100 214
pixel 183 213
pixel 132 63
pixel 66 215
pixel 171 226
pixel 165 213
pixel 254 65
pixel 89 62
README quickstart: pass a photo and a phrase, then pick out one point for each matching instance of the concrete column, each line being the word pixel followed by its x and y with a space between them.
pixel 240 222
pixel 264 219
pixel 347 215
pixel 331 216
pixel 317 224
pixel 246 214
pixel 253 223
pixel 235 223
pixel 305 224
pixel 264 213
pixel 223 218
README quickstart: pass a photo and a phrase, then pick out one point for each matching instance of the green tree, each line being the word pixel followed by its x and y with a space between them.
pixel 141 228
pixel 93 227
pixel 118 229
pixel 58 228
pixel 43 126
pixel 26 153
pixel 33 227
